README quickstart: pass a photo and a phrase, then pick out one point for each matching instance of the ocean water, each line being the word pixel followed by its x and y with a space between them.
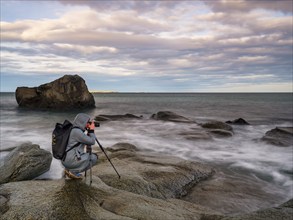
pixel 239 154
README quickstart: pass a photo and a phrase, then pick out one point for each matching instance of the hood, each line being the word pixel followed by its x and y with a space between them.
pixel 81 120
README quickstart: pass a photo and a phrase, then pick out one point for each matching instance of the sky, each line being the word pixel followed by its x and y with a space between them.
pixel 149 46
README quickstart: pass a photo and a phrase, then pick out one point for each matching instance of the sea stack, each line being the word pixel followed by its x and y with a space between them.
pixel 67 92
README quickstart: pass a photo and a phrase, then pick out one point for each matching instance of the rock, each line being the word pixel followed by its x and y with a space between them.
pixel 116 117
pixel 73 199
pixel 25 162
pixel 221 133
pixel 67 92
pixel 279 136
pixel 284 211
pixel 152 175
pixel 122 146
pixel 4 203
pixel 170 116
pixel 239 121
pixel 237 194
pixel 217 125
pixel 196 135
pixel 148 189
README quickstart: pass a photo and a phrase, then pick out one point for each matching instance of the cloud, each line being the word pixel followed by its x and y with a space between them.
pixel 190 43
pixel 228 6
pixel 139 6
pixel 85 49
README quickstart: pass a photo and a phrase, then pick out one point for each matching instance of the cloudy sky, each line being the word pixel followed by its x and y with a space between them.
pixel 149 46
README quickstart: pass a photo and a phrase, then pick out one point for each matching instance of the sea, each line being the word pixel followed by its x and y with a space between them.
pixel 242 153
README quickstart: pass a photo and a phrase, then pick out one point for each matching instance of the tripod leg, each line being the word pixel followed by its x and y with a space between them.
pixel 91 180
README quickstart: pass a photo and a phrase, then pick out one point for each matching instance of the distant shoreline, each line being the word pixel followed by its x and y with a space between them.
pixel 114 92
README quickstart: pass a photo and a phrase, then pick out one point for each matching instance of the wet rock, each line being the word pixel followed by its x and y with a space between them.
pixel 221 133
pixel 239 121
pixel 67 92
pixel 170 116
pixel 148 189
pixel 116 117
pixel 153 175
pixel 232 195
pixel 25 162
pixel 217 125
pixel 196 135
pixel 121 147
pixel 279 136
pixel 218 129
pixel 284 211
pixel 73 199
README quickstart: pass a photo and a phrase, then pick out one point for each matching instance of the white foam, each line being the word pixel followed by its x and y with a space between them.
pixel 238 152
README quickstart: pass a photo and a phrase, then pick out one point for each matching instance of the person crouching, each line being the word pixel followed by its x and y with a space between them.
pixel 78 160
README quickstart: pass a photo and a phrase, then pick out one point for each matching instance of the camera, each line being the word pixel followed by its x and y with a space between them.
pixel 97 124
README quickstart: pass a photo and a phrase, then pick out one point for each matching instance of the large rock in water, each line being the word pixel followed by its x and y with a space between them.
pixel 170 116
pixel 279 136
pixel 25 162
pixel 69 91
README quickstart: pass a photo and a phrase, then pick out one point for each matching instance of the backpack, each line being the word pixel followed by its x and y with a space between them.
pixel 60 136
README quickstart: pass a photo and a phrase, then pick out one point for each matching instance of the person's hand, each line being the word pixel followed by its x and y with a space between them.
pixel 90 126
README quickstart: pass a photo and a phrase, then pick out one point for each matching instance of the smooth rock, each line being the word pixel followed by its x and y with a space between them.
pixel 25 162
pixel 116 117
pixel 151 174
pixel 170 116
pixel 231 195
pixel 217 125
pixel 74 199
pixel 221 133
pixel 67 92
pixel 239 121
pixel 147 189
pixel 282 212
pixel 279 136
pixel 196 135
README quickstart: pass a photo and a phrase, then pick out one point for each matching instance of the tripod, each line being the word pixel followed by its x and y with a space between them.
pixel 89 150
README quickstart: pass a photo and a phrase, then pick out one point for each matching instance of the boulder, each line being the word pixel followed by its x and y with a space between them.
pixel 25 162
pixel 116 117
pixel 170 116
pixel 217 125
pixel 67 92
pixel 279 136
pixel 239 121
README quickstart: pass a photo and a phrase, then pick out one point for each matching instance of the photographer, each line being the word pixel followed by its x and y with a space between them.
pixel 78 160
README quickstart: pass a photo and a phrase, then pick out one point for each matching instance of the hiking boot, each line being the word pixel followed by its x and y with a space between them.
pixel 72 175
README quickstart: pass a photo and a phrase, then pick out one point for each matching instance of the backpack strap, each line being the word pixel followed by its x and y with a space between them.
pixel 78 143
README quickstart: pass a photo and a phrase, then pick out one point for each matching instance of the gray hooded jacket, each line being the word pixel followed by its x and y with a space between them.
pixel 77 160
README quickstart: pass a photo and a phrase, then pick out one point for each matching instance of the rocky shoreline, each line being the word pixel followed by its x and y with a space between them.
pixel 279 136
pixel 152 186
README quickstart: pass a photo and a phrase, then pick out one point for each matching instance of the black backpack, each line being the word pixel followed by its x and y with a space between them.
pixel 60 138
